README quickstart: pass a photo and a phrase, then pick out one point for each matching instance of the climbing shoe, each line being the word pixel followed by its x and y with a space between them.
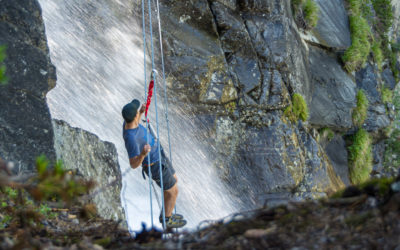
pixel 174 216
pixel 174 223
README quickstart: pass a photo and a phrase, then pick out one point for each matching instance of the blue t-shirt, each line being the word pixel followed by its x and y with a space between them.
pixel 135 139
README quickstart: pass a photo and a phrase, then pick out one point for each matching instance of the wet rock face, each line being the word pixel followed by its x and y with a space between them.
pixel 333 94
pixel 388 78
pixel 276 158
pixel 249 54
pixel 367 80
pixel 337 153
pixel 94 160
pixel 332 29
pixel 25 124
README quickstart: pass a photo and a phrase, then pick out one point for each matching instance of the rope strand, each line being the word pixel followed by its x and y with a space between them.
pixel 165 85
pixel 147 125
pixel 156 107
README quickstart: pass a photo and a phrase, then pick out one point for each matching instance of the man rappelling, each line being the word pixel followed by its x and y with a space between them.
pixel 139 143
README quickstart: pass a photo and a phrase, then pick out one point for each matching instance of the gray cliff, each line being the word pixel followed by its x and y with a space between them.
pixel 25 123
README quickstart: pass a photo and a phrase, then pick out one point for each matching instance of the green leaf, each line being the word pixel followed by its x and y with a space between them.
pixel 41 164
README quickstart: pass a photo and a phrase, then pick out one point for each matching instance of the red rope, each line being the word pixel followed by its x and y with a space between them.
pixel 149 95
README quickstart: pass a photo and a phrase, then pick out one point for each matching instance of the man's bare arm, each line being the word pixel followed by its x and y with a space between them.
pixel 141 111
pixel 136 161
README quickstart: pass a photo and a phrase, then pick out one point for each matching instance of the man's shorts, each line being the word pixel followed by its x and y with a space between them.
pixel 167 173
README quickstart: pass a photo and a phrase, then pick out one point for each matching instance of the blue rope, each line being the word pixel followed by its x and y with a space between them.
pixel 155 100
pixel 165 85
pixel 147 126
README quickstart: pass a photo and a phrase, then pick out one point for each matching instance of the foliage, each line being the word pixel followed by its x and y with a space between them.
pixel 298 109
pixel 384 14
pixel 360 157
pixel 55 183
pixel 327 133
pixel 393 65
pixel 10 192
pixel 392 149
pixel 3 77
pixel 381 19
pixel 25 203
pixel 360 112
pixel 45 210
pixel 395 47
pixel 309 11
pixel 387 95
pixel 378 55
pixel 392 144
pixel 357 54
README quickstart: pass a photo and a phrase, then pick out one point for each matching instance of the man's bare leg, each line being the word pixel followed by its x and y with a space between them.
pixel 170 196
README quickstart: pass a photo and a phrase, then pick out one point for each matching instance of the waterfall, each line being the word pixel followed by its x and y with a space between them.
pixel 97 49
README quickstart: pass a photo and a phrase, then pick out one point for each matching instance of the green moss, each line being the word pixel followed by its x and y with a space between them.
pixel 381 186
pixel 230 107
pixel 378 55
pixel 3 77
pixel 357 54
pixel 310 10
pixel 392 149
pixel 360 157
pixel 360 112
pixel 384 14
pixel 327 133
pixel 104 242
pixel 386 94
pixel 298 109
pixel 393 65
pixel 395 47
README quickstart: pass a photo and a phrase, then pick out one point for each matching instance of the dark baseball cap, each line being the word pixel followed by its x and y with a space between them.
pixel 129 110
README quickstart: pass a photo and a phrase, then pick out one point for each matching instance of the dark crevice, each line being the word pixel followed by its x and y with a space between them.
pixel 323 47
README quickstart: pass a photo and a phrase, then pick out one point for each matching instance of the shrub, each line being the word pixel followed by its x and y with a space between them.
pixel 3 78
pixel 298 109
pixel 360 157
pixel 310 10
pixel 360 112
pixel 386 94
pixel 378 55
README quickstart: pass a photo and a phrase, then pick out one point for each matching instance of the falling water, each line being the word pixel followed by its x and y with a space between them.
pixel 97 48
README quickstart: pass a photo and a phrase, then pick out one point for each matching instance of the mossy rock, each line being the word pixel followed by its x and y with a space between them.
pixel 360 111
pixel 360 157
